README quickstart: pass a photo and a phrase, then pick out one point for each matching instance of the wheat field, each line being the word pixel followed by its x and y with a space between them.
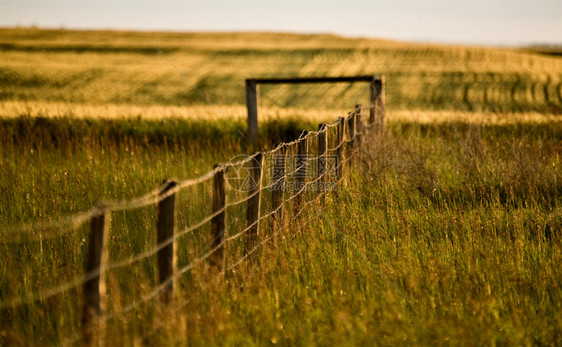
pixel 42 69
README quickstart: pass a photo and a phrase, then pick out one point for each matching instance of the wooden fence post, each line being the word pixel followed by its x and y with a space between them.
pixel 379 103
pixel 252 107
pixel 254 203
pixel 300 174
pixel 165 234
pixel 321 172
pixel 95 284
pixel 351 134
pixel 372 100
pixel 278 188
pixel 218 223
pixel 358 126
pixel 340 138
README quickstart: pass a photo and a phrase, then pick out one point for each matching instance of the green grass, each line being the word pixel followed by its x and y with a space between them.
pixel 445 233
pixel 447 230
pixel 74 163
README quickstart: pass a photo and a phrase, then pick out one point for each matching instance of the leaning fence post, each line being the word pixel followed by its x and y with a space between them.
pixel 300 174
pixel 340 136
pixel 218 222
pixel 94 285
pixel 253 208
pixel 278 188
pixel 165 238
pixel 321 174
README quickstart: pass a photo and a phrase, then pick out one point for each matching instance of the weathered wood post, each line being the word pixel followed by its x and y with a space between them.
pixel 358 126
pixel 165 238
pixel 379 103
pixel 218 222
pixel 300 174
pixel 254 202
pixel 321 163
pixel 278 188
pixel 340 145
pixel 351 135
pixel 372 100
pixel 95 284
pixel 252 107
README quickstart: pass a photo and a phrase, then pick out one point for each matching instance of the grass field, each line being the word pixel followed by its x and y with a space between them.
pixel 448 230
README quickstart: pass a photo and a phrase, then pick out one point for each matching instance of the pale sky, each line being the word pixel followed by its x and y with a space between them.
pixel 489 22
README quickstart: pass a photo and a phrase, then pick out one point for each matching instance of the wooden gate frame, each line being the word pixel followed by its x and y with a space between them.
pixel 376 93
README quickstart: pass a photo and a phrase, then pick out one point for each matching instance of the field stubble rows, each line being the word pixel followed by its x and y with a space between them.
pixel 97 68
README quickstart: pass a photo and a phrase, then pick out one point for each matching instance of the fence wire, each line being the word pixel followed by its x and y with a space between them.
pixel 36 231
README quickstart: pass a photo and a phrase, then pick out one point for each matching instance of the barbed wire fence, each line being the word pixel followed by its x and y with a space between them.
pixel 279 185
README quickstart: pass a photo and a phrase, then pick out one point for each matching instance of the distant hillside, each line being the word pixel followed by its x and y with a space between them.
pixel 555 50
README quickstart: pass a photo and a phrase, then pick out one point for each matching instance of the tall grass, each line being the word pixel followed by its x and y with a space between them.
pixel 446 230
pixel 443 234
pixel 57 166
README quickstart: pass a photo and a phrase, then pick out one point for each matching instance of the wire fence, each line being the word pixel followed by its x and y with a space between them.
pixel 277 186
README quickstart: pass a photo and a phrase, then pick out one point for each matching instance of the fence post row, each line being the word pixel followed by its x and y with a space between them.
pixel 218 222
pixel 278 188
pixel 100 223
pixel 300 174
pixel 340 135
pixel 253 208
pixel 165 234
pixel 351 127
pixel 321 170
pixel 95 261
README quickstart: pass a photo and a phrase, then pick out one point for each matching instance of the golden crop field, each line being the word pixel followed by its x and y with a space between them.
pixel 446 230
pixel 64 71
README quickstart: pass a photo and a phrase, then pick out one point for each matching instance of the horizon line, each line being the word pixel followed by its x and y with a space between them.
pixel 528 44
